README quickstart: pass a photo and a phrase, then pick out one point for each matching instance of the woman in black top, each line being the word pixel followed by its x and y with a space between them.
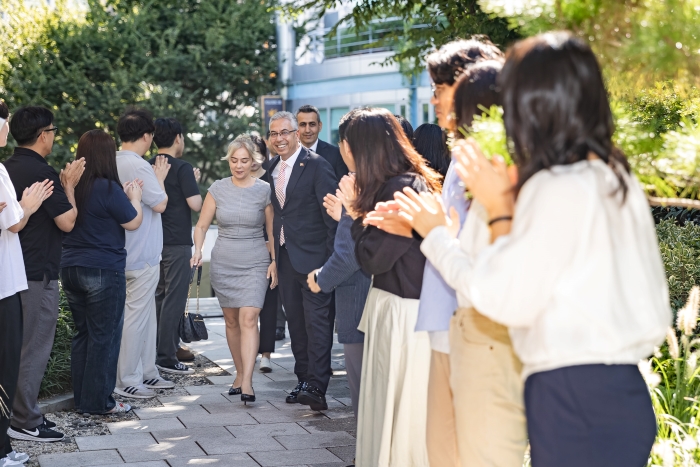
pixel 394 388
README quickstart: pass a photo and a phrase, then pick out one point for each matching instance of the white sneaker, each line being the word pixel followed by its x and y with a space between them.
pixel 265 365
pixel 177 369
pixel 7 462
pixel 158 383
pixel 119 408
pixel 136 392
pixel 18 456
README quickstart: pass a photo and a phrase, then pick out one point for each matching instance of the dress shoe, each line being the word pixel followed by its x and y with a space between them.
pixel 245 398
pixel 234 391
pixel 313 397
pixel 292 397
pixel 265 365
pixel 184 354
pixel 279 334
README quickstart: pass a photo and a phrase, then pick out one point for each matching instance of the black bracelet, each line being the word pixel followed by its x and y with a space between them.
pixel 499 219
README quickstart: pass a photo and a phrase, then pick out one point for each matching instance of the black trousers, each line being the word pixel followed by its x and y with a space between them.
pixel 309 321
pixel 10 350
pixel 589 415
pixel 268 320
pixel 171 298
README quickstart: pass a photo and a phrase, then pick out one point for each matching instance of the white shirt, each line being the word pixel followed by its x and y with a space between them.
pixel 579 280
pixel 13 277
pixel 145 244
pixel 313 147
pixel 288 171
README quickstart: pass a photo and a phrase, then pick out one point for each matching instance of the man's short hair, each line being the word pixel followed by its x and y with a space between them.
pixel 167 130
pixel 286 116
pixel 134 123
pixel 447 63
pixel 27 123
pixel 4 110
pixel 405 126
pixel 307 109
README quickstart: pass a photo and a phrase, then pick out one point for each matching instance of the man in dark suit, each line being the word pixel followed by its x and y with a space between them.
pixel 309 128
pixel 304 236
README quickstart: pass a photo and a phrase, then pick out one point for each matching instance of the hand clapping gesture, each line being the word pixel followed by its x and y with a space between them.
pixel 346 194
pixel 71 173
pixel 33 196
pixel 133 190
pixel 333 205
pixel 386 217
pixel 424 211
pixel 161 168
pixel 197 174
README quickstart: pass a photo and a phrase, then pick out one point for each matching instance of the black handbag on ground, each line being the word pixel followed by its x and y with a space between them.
pixel 192 327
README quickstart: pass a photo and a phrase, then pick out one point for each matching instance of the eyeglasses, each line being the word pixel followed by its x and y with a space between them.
pixel 283 133
pixel 54 129
pixel 436 90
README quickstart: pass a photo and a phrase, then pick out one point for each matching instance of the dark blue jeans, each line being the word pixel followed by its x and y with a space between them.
pixel 96 299
pixel 589 415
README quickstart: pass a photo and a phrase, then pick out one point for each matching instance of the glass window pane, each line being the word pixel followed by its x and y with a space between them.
pixel 426 113
pixel 336 115
pixel 323 115
pixel 390 107
pixel 403 111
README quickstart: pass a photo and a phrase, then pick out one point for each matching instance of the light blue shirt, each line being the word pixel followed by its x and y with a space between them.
pixel 438 301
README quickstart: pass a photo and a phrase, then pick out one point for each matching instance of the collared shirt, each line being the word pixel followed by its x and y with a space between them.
pixel 180 184
pixel 41 238
pixel 288 171
pixel 438 301
pixel 13 278
pixel 145 244
pixel 313 147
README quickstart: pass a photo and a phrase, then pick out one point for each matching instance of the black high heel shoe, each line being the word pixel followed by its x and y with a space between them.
pixel 245 398
pixel 234 391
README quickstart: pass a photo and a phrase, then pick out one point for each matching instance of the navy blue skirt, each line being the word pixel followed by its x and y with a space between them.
pixel 589 416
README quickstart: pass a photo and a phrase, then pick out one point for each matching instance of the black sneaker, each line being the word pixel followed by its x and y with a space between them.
pixel 279 334
pixel 40 434
pixel 48 423
pixel 313 397
pixel 292 397
pixel 177 369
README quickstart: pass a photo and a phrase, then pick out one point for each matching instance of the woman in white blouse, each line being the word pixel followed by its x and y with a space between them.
pixel 574 268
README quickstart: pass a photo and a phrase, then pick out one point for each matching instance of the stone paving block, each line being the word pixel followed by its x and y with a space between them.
pixel 140 464
pixel 169 411
pixel 192 434
pixel 207 389
pixel 339 412
pixel 277 385
pixel 283 416
pixel 267 429
pixel 282 405
pixel 145 426
pixel 328 425
pixel 282 376
pixel 228 379
pixel 229 460
pixel 316 440
pixel 346 401
pixel 240 407
pixel 195 421
pixel 260 395
pixel 165 450
pixel 240 445
pixel 347 453
pixel 193 400
pixel 80 459
pixel 289 458
pixel 96 443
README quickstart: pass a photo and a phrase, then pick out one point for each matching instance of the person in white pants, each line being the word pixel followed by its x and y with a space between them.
pixel 137 374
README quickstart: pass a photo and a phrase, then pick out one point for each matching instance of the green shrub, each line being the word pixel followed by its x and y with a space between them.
pixel 680 250
pixel 57 379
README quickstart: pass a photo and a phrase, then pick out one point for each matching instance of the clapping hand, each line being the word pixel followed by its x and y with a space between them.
pixel 161 167
pixel 33 196
pixel 488 180
pixel 386 217
pixel 71 173
pixel 133 190
pixel 424 211
pixel 333 205
pixel 346 194
pixel 197 174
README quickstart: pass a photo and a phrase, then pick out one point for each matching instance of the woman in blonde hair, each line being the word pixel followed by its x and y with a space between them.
pixel 241 264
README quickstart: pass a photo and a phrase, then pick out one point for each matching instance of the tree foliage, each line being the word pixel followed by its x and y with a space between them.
pixel 204 62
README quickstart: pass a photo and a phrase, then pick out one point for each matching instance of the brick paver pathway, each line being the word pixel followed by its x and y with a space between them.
pixel 209 428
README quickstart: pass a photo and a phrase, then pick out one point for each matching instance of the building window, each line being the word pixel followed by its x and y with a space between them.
pixel 336 115
pixel 426 113
pixel 390 107
pixel 403 111
pixel 323 116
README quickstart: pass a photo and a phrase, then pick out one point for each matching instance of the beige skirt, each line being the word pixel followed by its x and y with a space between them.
pixel 391 427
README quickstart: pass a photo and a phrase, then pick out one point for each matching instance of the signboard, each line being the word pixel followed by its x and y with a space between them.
pixel 269 105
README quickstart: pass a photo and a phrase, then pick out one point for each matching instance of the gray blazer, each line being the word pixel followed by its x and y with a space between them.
pixel 342 274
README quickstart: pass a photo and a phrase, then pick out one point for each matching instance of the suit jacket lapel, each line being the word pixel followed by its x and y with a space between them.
pixel 273 163
pixel 299 167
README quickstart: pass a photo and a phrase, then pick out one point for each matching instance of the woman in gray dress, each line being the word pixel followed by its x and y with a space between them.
pixel 241 263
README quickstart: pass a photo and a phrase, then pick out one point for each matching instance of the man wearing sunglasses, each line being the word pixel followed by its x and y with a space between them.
pixel 34 131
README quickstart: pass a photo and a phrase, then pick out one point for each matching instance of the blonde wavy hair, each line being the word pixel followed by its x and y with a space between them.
pixel 244 141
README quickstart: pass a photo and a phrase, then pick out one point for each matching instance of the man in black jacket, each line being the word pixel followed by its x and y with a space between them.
pixel 309 128
pixel 304 235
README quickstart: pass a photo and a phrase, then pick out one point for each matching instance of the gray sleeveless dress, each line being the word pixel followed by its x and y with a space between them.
pixel 240 259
